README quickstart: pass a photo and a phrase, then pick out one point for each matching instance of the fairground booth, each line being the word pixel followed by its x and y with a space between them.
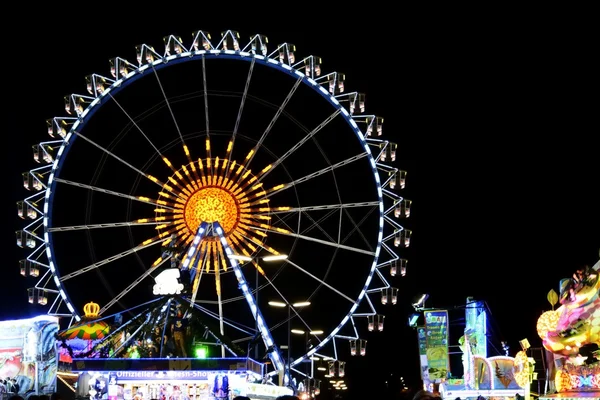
pixel 160 378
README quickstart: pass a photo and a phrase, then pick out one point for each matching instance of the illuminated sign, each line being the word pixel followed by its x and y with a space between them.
pixel 436 328
pixel 167 282
pixel 162 375
pixel 268 391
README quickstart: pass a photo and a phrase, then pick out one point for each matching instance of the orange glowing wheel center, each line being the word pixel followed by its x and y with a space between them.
pixel 213 190
pixel 212 204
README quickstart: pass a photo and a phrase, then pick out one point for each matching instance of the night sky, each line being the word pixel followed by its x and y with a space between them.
pixel 497 133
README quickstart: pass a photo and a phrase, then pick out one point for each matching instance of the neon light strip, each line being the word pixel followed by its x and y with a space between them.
pixel 260 321
pixel 199 235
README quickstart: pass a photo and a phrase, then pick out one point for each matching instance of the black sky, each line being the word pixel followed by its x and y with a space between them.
pixel 497 132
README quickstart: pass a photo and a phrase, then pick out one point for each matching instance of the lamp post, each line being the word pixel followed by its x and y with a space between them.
pixel 290 331
pixel 309 381
pixel 244 258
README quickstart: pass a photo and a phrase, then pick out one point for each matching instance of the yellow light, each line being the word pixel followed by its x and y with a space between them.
pixel 153 179
pixel 145 242
pixel 166 160
pixel 547 322
pixel 186 150
pixel 215 196
pixel 142 198
pixel 521 371
pixel 142 221
pixel 211 204
pixel 207 144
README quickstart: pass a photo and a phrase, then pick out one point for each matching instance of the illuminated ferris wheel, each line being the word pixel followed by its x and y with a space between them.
pixel 253 175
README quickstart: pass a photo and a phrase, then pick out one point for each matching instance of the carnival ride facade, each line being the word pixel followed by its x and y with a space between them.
pixel 194 166
pixel 571 335
pixel 28 353
pixel 495 377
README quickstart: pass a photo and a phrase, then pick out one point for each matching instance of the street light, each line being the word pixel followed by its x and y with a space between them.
pixel 259 271
pixel 298 331
pixel 275 258
pixel 240 257
pixel 312 388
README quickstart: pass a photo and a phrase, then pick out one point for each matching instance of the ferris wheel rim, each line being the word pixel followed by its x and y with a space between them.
pixel 133 76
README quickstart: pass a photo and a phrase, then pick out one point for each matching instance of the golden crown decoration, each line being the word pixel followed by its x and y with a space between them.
pixel 91 310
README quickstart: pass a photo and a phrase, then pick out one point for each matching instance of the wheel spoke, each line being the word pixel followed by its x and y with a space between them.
pixel 325 207
pixel 285 300
pixel 235 325
pixel 136 125
pixel 357 227
pixel 206 111
pixel 149 177
pixel 252 153
pixel 162 90
pixel 239 116
pixel 149 271
pixel 148 243
pixel 311 239
pixel 107 225
pixel 288 185
pixel 327 285
pixel 308 136
pixel 112 193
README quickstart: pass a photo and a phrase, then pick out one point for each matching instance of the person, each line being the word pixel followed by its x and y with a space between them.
pixel 15 385
pixel 178 332
pixel 425 395
pixel 241 398
pixel 287 397
pixel 221 387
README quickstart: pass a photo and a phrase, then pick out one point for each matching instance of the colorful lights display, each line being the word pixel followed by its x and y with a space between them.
pixel 28 352
pixel 214 190
pixel 572 332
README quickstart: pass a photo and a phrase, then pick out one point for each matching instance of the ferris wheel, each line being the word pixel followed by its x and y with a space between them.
pixel 251 173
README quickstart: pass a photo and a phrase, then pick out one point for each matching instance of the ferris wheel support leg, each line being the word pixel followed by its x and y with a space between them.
pixel 272 349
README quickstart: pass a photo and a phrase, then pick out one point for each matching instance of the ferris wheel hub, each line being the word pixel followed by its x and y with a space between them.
pixel 212 204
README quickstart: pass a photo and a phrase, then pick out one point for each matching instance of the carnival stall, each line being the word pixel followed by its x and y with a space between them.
pixel 173 379
pixel 497 377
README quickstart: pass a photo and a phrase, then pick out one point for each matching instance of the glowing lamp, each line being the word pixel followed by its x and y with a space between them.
pixel 521 369
pixel 201 352
pixel 547 322
pixel 91 310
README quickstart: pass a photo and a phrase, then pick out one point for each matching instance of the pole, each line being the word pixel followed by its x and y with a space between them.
pixel 164 331
pixel 256 325
pixel 37 378
pixel 289 359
